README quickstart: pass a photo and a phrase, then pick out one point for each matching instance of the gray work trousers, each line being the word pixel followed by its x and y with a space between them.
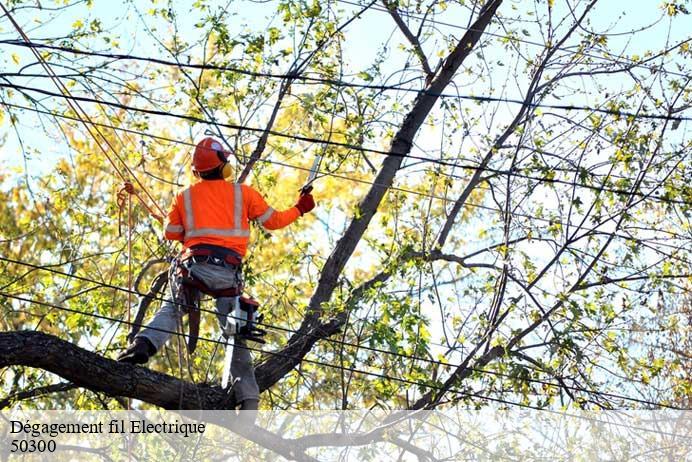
pixel 166 321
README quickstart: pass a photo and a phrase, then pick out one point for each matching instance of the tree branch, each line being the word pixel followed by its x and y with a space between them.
pixel 36 392
pixel 411 38
pixel 89 370
pixel 311 329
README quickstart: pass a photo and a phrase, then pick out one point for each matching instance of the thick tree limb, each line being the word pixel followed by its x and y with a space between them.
pixel 89 370
pixel 310 330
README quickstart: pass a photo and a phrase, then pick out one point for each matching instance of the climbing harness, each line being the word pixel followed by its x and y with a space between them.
pixel 217 272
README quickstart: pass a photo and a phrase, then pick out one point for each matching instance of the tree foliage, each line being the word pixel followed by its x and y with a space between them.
pixel 503 205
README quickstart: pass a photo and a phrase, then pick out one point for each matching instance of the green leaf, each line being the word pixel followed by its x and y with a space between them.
pixel 365 76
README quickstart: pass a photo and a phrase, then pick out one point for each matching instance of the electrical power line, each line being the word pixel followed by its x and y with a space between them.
pixel 334 341
pixel 644 116
pixel 648 196
pixel 283 355
pixel 347 178
pixel 553 180
pixel 630 61
pixel 374 374
pixel 340 83
pixel 84 118
pixel 297 167
pixel 303 359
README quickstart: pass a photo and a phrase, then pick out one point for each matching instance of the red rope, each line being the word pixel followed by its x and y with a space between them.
pixel 124 195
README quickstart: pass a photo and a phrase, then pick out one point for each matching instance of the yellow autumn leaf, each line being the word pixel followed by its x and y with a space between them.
pixel 15 58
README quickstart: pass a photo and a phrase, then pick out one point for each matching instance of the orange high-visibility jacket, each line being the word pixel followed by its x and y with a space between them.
pixel 217 212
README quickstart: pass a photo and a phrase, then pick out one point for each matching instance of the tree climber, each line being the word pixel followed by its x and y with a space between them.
pixel 211 219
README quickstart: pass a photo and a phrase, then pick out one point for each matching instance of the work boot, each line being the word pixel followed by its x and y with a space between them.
pixel 138 352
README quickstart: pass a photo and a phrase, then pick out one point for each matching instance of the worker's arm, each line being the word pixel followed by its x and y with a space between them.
pixel 174 229
pixel 265 215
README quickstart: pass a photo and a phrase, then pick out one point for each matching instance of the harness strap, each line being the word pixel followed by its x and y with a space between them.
pixel 230 258
pixel 190 287
pixel 213 255
pixel 193 321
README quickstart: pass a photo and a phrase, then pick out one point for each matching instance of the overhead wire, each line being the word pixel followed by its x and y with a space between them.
pixel 636 63
pixel 279 354
pixel 470 204
pixel 444 199
pixel 303 359
pixel 341 83
pixel 330 340
pixel 84 117
pixel 618 113
pixel 553 220
pixel 648 196
pixel 548 180
pixel 518 39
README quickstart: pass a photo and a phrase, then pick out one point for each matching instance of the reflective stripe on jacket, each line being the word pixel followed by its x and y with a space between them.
pixel 218 213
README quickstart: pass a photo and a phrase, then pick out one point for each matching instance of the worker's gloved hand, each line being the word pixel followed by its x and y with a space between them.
pixel 305 203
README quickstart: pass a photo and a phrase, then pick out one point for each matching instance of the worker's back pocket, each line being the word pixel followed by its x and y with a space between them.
pixel 215 277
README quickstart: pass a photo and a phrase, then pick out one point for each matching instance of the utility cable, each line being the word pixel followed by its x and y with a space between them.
pixel 283 355
pixel 82 115
pixel 358 148
pixel 287 356
pixel 644 116
pixel 340 83
pixel 630 61
pixel 331 340
pixel 322 173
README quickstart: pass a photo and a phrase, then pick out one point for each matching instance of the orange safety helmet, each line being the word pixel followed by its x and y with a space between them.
pixel 210 154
